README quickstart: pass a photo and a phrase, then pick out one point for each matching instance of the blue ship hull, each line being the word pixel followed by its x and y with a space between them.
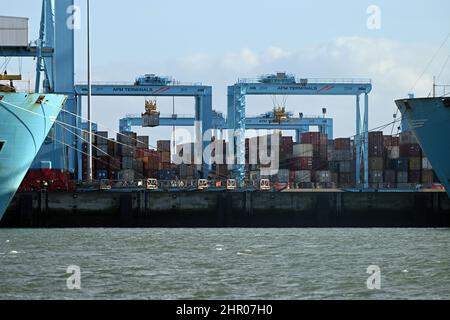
pixel 429 119
pixel 25 121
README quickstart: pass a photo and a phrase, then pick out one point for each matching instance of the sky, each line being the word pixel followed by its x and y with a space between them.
pixel 217 42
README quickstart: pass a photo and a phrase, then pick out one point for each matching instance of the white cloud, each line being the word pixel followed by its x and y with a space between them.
pixel 246 59
pixel 275 53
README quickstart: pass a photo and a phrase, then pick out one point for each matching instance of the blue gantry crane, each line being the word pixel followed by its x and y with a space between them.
pixel 286 84
pixel 218 122
pixel 151 85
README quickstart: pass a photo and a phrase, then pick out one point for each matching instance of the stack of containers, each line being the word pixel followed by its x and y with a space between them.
pixel 410 150
pixel 376 158
pixel 150 163
pixel 391 154
pixel 102 157
pixel 342 162
pixel 164 154
pixel 320 149
pixel 427 172
pixel 127 146
pixel 286 152
pixel 302 165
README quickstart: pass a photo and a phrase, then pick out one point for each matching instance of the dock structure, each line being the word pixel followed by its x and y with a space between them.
pixel 229 209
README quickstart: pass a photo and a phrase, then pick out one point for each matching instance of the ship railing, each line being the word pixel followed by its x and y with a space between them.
pixel 306 81
pixel 121 83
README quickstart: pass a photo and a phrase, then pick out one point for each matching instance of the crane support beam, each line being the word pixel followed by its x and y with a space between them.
pixel 29 52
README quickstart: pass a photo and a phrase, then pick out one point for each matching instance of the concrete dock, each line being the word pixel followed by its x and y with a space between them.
pixel 228 209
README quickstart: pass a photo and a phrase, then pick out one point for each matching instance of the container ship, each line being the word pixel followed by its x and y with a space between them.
pixel 25 121
pixel 429 119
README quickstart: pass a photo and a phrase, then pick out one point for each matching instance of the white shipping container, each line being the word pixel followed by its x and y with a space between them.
pixel 393 152
pixel 13 31
pixel 302 150
pixel 426 164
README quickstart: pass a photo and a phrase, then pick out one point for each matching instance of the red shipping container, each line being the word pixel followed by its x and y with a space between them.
pixel 302 163
pixel 414 176
pixel 342 144
pixel 410 150
pixel 316 138
pixel 390 141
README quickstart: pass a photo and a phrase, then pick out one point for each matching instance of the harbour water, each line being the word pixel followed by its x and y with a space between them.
pixel 224 263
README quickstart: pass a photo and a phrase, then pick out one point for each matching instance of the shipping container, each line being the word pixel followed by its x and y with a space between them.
pixel 320 164
pixel 376 176
pixel 342 155
pixel 150 120
pixel 100 150
pixel 138 167
pixel 113 148
pixel 142 142
pixel 393 152
pixel 303 176
pixel 390 141
pixel 315 138
pixel 166 174
pixel 102 163
pixel 323 176
pixel 376 164
pixel 151 174
pixel 390 176
pixel 410 150
pixel 415 164
pixel 342 144
pixel 306 185
pixel 402 176
pixel 302 150
pixel 101 138
pixel 164 156
pixel 320 151
pixel 427 177
pixel 126 175
pixel 407 137
pixel 282 176
pixel 346 166
pixel 426 164
pixel 127 163
pixel 398 164
pixel 163 145
pixel 414 176
pixel 127 138
pixel 333 166
pixel 13 31
pixel 302 163
pixel 346 179
pixel 376 144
